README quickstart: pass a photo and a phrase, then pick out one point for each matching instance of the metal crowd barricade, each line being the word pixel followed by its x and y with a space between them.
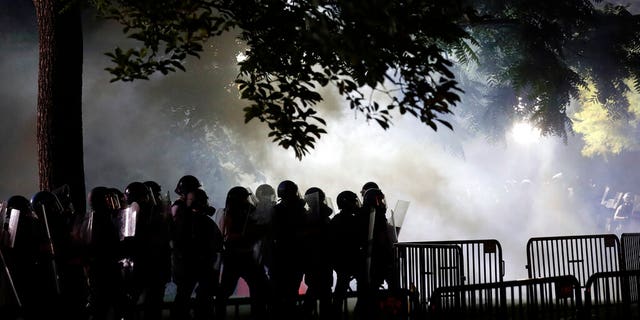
pixel 482 259
pixel 542 298
pixel 612 295
pixel 421 268
pixel 630 244
pixel 579 255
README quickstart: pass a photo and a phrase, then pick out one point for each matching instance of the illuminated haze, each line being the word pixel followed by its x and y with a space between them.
pixel 192 123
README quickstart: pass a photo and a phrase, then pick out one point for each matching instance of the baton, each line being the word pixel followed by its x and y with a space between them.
pixel 8 273
pixel 53 252
pixel 372 220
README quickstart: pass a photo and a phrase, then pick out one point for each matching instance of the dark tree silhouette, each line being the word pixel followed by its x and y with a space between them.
pixel 536 54
pixel 59 111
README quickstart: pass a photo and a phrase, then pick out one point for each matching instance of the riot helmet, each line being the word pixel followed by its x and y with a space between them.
pixel 287 190
pixel 367 186
pixel 348 200
pixel 198 200
pixel 19 203
pixel 237 195
pixel 374 198
pixel 186 184
pixel 266 193
pixel 98 199
pixel 136 192
pixel 156 190
pixel 49 201
pixel 321 196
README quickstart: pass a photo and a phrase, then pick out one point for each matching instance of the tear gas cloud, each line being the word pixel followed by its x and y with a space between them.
pixel 192 123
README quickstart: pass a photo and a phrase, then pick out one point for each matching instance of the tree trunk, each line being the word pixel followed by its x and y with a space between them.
pixel 59 123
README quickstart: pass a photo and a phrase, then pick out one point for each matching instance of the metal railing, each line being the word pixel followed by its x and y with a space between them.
pixel 542 298
pixel 421 268
pixel 481 258
pixel 612 295
pixel 630 246
pixel 579 255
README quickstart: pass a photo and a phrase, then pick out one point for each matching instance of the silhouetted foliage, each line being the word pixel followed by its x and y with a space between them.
pixel 385 55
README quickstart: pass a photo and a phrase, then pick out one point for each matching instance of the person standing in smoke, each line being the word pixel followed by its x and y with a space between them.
pixel 201 259
pixel 106 299
pixel 318 275
pixel 180 233
pixel 377 248
pixel 68 282
pixel 241 234
pixel 266 201
pixel 623 212
pixel 151 254
pixel 344 246
pixel 23 256
pixel 289 218
pixel 161 250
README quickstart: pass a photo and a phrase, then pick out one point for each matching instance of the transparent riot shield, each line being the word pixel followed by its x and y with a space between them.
pixel 63 194
pixel 14 217
pixel 83 229
pixel 3 218
pixel 398 214
pixel 253 199
pixel 330 205
pixel 127 221
pixel 369 252
pixel 604 196
pixel 9 277
pixel 313 206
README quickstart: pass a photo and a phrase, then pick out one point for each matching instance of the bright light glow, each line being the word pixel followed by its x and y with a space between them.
pixel 525 133
pixel 241 57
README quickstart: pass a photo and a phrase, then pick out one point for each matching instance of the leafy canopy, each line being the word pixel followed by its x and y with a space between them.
pixel 602 134
pixel 534 55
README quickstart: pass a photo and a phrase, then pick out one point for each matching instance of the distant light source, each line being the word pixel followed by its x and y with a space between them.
pixel 241 57
pixel 525 133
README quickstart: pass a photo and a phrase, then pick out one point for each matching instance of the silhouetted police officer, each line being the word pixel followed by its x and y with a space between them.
pixel 289 219
pixel 318 275
pixel 200 249
pixel 377 248
pixel 345 245
pixel 106 287
pixel 241 235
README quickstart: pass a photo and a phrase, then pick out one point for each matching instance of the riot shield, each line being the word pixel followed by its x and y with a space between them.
pixel 369 252
pixel 398 214
pixel 84 229
pixel 3 218
pixel 9 278
pixel 330 205
pixel 63 194
pixel 127 220
pixel 12 228
pixel 253 199
pixel 604 196
pixel 313 206
pixel 153 199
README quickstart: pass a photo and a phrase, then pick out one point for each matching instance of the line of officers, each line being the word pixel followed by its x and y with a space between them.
pixel 115 261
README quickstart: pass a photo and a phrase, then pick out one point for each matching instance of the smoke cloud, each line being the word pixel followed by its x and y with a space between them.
pixel 192 123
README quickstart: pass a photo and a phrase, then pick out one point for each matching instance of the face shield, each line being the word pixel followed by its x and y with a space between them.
pixel 127 218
